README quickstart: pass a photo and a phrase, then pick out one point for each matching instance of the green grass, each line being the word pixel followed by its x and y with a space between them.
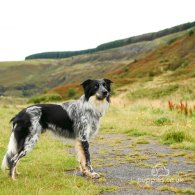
pixel 176 190
pixel 45 98
pixel 162 121
pixel 151 119
pixel 152 93
pixel 135 132
pixel 142 141
pixel 176 136
pixel 44 171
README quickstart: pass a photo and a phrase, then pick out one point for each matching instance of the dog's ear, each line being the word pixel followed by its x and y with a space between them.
pixel 86 83
pixel 108 81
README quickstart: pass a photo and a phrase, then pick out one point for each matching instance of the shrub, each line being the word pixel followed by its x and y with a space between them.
pixel 126 69
pixel 162 121
pixel 176 136
pixel 71 92
pixel 190 33
pixel 45 98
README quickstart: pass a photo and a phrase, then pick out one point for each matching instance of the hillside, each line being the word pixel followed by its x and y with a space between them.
pixel 171 57
pixel 166 71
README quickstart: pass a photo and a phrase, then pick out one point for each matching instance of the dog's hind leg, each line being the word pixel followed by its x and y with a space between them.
pixel 28 145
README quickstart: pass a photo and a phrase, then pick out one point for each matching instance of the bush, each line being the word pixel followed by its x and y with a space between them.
pixel 176 136
pixel 190 33
pixel 162 121
pixel 71 92
pixel 45 98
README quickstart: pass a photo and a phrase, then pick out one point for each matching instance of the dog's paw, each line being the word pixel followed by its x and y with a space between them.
pixel 95 175
pixel 92 175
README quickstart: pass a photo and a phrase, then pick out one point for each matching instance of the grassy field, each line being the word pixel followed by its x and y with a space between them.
pixel 43 171
pixel 151 118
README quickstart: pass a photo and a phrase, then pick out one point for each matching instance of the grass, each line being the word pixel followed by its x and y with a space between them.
pixel 142 141
pixel 150 118
pixel 176 190
pixel 176 136
pixel 135 132
pixel 44 170
pixel 153 93
pixel 162 121
pixel 45 98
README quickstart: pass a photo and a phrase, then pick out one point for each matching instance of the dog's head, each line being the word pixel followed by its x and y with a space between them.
pixel 98 88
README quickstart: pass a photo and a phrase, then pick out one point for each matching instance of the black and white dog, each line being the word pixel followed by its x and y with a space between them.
pixel 77 120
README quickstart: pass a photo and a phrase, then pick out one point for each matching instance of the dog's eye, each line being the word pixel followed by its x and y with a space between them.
pixel 104 84
pixel 96 86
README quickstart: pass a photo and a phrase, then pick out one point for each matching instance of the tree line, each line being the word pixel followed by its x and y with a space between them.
pixel 113 44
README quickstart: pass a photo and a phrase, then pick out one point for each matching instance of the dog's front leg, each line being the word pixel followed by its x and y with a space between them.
pixel 85 146
pixel 84 159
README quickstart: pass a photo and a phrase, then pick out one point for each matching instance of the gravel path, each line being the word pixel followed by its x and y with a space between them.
pixel 140 167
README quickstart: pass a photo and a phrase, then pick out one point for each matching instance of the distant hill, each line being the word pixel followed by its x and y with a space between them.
pixel 167 60
pixel 113 44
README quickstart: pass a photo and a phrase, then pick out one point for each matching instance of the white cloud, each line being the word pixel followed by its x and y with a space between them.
pixel 31 26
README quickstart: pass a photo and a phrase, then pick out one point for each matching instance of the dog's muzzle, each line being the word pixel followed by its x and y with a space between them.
pixel 103 95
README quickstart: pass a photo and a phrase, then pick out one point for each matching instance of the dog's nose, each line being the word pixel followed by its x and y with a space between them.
pixel 105 93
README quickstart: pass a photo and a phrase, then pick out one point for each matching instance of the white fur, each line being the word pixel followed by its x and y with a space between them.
pixel 12 149
pixel 30 142
pixel 100 105
pixel 35 113
pixel 12 146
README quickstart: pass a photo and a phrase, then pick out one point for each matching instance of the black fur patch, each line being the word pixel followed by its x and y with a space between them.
pixel 21 122
pixel 55 114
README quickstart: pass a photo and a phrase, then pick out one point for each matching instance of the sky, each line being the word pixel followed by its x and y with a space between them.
pixel 34 26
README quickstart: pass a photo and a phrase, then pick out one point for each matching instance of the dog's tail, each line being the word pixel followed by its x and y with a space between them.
pixel 11 151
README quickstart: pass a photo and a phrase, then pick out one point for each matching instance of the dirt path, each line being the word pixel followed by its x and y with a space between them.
pixel 141 167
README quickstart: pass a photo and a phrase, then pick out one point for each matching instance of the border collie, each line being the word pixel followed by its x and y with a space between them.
pixel 77 120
